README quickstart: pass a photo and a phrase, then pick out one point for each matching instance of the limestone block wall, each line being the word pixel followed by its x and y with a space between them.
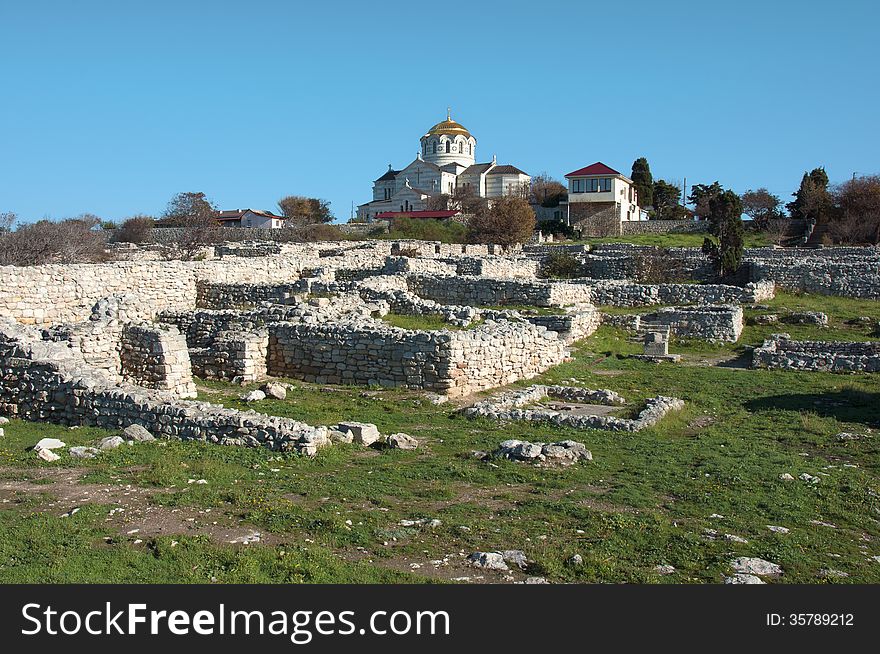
pixel 52 294
pixel 706 323
pixel 213 295
pixel 829 356
pixel 856 277
pixel 572 325
pixel 482 291
pixel 233 356
pixel 156 356
pixel 448 362
pixel 49 382
pixel 497 267
pixel 625 294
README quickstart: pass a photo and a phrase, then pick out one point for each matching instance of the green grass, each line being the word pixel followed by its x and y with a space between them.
pixel 684 240
pixel 644 500
pixel 425 323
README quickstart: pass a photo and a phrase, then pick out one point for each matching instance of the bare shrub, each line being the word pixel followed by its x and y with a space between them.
pixel 74 240
pixel 658 266
pixel 137 229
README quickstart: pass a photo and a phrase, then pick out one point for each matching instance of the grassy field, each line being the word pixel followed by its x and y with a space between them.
pixel 750 240
pixel 667 495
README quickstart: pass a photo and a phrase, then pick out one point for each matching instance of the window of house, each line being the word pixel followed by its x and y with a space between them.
pixel 578 186
pixel 448 146
pixel 604 184
pixel 435 147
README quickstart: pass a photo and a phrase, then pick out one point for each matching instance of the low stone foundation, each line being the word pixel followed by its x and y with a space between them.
pixel 509 406
pixel 447 362
pixel 49 382
pixel 827 356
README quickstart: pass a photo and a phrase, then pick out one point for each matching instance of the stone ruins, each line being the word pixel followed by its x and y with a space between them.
pixel 121 343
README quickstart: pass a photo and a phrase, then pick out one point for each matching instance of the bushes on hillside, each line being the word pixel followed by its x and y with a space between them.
pixel 510 220
pixel 74 240
pixel 137 229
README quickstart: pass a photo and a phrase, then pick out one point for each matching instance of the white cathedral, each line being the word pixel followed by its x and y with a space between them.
pixel 446 161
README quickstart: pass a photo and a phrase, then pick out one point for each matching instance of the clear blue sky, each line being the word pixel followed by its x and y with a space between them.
pixel 112 107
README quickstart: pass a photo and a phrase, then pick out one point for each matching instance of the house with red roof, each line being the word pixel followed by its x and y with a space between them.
pixel 600 199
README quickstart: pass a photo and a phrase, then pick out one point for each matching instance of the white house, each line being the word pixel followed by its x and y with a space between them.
pixel 251 218
pixel 446 161
pixel 600 198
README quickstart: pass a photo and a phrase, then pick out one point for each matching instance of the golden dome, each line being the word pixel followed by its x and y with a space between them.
pixel 449 127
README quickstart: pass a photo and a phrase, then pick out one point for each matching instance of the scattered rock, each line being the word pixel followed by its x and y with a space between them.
pixel 848 436
pixel 829 573
pixel 575 560
pixel 402 442
pixel 81 452
pixel 338 436
pixel 754 566
pixel 786 477
pixel 664 569
pixel 562 452
pixel 437 400
pixel 515 557
pixel 743 579
pixel 254 396
pixel 430 523
pixel 766 319
pixel 778 530
pixel 137 433
pixel 275 391
pixel 810 479
pixel 110 442
pixel 733 538
pixel 2 432
pixel 364 433
pixel 488 561
pixel 48 444
pixel 535 580
pixel 807 318
pixel 47 455
pixel 4 420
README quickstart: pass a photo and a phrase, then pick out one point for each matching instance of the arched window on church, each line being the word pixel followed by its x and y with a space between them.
pixel 435 147
pixel 471 147
pixel 448 146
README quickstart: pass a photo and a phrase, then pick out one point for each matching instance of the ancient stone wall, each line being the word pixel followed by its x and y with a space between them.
pixel 448 362
pixel 482 291
pixel 830 356
pixel 49 382
pixel 497 267
pixel 624 294
pixel 705 323
pixel 238 356
pixel 156 356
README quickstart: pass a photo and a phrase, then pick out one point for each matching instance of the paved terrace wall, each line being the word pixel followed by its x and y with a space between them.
pixel 49 382
pixel 448 362
pixel 482 291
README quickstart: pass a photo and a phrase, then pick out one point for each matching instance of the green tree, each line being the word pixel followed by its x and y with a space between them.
pixel 301 210
pixel 761 206
pixel 643 181
pixel 508 221
pixel 812 201
pixel 700 196
pixel 667 201
pixel 724 213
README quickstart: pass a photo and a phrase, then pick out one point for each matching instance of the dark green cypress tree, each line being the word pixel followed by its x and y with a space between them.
pixel 643 181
